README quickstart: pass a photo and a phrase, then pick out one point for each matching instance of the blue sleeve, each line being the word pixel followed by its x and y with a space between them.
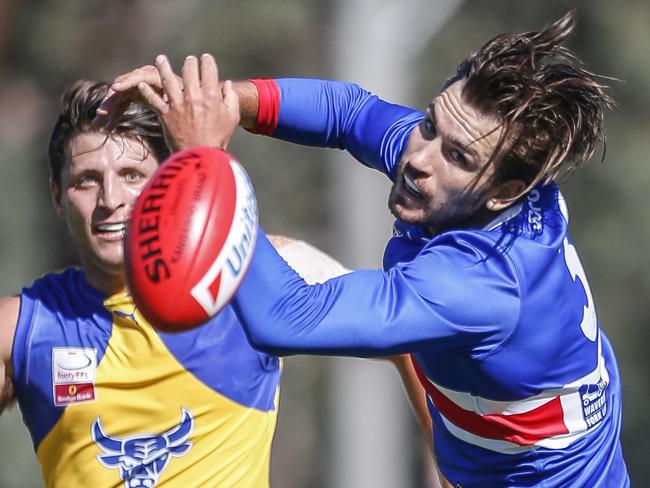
pixel 442 299
pixel 345 116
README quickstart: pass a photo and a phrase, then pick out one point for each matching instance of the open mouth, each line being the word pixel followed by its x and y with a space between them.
pixel 410 186
pixel 111 229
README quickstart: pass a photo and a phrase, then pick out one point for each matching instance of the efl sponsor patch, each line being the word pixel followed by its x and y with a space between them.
pixel 73 375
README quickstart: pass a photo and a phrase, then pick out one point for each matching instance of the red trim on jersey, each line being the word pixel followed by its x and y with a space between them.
pixel 269 107
pixel 524 429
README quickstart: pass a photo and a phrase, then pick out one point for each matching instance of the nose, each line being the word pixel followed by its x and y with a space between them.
pixel 112 195
pixel 422 158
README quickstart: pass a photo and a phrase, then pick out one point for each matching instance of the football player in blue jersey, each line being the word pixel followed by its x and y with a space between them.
pixel 107 399
pixel 482 283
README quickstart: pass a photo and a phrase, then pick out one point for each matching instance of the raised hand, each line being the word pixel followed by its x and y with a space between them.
pixel 196 110
pixel 122 93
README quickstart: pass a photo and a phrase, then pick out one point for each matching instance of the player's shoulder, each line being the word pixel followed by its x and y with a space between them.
pixel 467 263
pixel 467 246
pixel 60 295
pixel 9 308
pixel 62 277
pixel 68 281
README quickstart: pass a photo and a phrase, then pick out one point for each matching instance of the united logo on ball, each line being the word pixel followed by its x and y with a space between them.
pixel 190 238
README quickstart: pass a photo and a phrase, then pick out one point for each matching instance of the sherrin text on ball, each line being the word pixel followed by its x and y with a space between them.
pixel 190 238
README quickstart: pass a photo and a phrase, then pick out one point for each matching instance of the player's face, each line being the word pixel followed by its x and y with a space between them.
pixel 99 184
pixel 436 182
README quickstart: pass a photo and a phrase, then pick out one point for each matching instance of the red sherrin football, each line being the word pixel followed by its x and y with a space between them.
pixel 190 238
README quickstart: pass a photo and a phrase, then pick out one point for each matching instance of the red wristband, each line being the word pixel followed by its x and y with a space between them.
pixel 269 107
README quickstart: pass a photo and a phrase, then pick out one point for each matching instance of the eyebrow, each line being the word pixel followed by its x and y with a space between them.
pixel 466 148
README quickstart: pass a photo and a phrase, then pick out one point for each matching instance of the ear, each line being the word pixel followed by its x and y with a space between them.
pixel 55 192
pixel 505 195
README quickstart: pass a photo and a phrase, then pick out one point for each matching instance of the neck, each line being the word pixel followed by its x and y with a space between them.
pixel 478 220
pixel 107 283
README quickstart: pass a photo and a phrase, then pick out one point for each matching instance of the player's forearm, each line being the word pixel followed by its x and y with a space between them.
pixel 248 102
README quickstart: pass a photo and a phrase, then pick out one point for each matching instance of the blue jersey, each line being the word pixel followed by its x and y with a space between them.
pixel 109 401
pixel 523 386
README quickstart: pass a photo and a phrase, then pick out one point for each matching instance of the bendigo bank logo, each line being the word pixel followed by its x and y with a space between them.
pixel 73 375
pixel 142 458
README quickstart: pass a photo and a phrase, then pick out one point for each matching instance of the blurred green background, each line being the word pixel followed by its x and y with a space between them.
pixel 45 45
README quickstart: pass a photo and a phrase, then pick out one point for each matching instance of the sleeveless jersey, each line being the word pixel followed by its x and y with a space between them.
pixel 111 402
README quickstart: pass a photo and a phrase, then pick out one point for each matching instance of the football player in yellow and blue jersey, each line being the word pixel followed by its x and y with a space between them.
pixel 108 400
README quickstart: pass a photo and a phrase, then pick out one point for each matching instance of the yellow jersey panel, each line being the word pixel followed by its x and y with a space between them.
pixel 130 406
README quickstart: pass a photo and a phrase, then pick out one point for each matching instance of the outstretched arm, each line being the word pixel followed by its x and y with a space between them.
pixel 368 313
pixel 305 111
pixel 9 307
pixel 365 313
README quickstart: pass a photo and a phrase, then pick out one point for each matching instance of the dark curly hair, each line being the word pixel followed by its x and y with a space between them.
pixel 550 109
pixel 78 105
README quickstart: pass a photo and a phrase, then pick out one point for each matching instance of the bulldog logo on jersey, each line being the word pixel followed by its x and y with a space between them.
pixel 142 458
